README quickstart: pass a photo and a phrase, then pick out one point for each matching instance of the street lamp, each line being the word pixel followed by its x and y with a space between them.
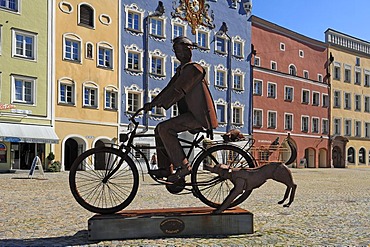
pixel 223 30
pixel 159 11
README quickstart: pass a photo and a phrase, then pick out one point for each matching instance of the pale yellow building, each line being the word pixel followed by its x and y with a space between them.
pixel 86 75
pixel 349 59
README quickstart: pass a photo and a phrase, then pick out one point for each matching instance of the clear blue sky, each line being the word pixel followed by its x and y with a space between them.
pixel 313 17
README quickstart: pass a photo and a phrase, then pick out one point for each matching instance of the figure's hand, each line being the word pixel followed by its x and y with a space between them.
pixel 147 107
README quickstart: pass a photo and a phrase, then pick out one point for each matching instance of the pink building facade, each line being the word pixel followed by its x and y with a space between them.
pixel 290 92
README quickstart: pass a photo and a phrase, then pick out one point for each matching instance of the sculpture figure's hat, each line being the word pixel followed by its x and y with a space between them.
pixel 183 40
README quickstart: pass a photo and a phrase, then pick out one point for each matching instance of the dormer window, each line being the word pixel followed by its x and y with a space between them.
pixel 86 16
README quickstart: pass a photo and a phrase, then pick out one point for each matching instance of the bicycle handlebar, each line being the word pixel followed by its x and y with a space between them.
pixel 132 118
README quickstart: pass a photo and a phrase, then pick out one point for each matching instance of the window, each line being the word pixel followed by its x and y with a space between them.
pixel 134 59
pixel 367 80
pixel 357 77
pixel 304 124
pixel 238 47
pixel 348 127
pixel 315 125
pixel 86 15
pixel 347 73
pixel 325 100
pixel 72 48
pixel 89 51
pixel 90 95
pixel 257 87
pixel 357 102
pixel 221 76
pixel 336 99
pixel 305 74
pixel 12 5
pixel 271 90
pixel 23 90
pixel 178 30
pixel 238 79
pixel 157 61
pixel 336 71
pixel 111 98
pixel 202 37
pixel 319 78
pixel 288 121
pixel 325 126
pixel 273 65
pixel 347 101
pixel 301 53
pixel 206 67
pixel 157 27
pixel 358 128
pixel 66 92
pixel 134 19
pixel 237 115
pixel 361 156
pixel 337 126
pixel 175 64
pixel 133 101
pixel 305 96
pixel 271 120
pixel 257 61
pixel 221 112
pixel 358 61
pixel 351 155
pixel 288 95
pixel 366 103
pixel 257 118
pixel 315 98
pixel 157 111
pixel 24 44
pixel 367 130
pixel 175 110
pixel 105 56
pixel 282 46
pixel 221 45
pixel 292 70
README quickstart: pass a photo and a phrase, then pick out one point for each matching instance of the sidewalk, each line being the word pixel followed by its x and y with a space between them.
pixel 332 208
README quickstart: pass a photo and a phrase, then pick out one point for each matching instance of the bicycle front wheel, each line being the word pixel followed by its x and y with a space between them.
pixel 103 181
pixel 210 188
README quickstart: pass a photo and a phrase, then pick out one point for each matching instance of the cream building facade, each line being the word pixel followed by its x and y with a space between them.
pixel 86 75
pixel 349 60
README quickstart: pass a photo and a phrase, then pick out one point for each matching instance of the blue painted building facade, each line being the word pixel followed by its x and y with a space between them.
pixel 148 62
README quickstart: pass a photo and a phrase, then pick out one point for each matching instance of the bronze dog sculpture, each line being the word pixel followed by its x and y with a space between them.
pixel 248 179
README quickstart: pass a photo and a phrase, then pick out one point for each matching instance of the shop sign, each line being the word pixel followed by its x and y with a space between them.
pixel 12 139
pixel 6 106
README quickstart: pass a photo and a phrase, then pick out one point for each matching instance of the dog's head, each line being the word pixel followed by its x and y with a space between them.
pixel 233 136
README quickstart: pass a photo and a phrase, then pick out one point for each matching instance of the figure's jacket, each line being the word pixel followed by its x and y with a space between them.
pixel 188 88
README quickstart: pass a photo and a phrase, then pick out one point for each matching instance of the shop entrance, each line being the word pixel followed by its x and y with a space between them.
pixel 24 153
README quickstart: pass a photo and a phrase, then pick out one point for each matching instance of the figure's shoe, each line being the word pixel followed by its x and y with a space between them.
pixel 183 171
pixel 160 173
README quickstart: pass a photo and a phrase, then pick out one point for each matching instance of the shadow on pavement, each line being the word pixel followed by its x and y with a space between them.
pixel 80 238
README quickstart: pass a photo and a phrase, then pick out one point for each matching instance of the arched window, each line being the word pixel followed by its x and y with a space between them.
pixel 351 155
pixel 292 70
pixel 361 156
pixel 86 15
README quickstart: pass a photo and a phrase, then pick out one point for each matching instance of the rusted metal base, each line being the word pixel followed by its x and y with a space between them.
pixel 170 222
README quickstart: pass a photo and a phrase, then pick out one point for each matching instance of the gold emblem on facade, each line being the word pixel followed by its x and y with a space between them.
pixel 195 12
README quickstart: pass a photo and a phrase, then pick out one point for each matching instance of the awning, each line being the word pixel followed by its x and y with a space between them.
pixel 27 133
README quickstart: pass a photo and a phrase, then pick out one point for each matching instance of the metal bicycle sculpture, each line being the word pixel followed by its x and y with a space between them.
pixel 105 179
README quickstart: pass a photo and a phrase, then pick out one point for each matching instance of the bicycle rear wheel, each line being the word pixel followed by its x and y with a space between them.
pixel 210 188
pixel 91 187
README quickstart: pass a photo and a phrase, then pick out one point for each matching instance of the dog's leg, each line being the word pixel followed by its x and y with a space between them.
pixel 288 188
pixel 237 190
pixel 292 193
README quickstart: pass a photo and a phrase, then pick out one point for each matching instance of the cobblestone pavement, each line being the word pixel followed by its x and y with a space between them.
pixel 332 208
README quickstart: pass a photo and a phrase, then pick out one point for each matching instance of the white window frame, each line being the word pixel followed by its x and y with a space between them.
pixel 161 19
pixel 272 119
pixel 325 100
pixel 286 95
pixel 337 99
pixel 301 53
pixel 347 69
pixel 111 90
pixel 224 48
pixel 238 72
pixel 175 110
pixel 337 126
pixel 292 70
pixel 259 82
pixel 221 69
pixel 348 127
pixel 337 71
pixel 73 38
pixel 237 40
pixel 174 62
pixel 257 61
pixel 358 128
pixel 133 89
pixel 180 23
pixel 320 78
pixel 257 118
pixel 305 122
pixel 33 88
pixel 79 16
pixel 157 54
pixel 366 78
pixel 236 107
pixel 134 49
pixel 92 50
pixel 305 91
pixel 315 100
pixel 157 111
pixel 366 104
pixel 106 47
pixel 207 67
pixel 33 36
pixel 367 129
pixel 282 46
pixel 324 126
pixel 206 32
pixel 16 9
pixel 134 9
pixel 347 101
pixel 65 81
pixel 273 63
pixel 315 125
pixel 358 102
pixel 271 90
pixel 222 103
pixel 91 87
pixel 287 125
pixel 306 74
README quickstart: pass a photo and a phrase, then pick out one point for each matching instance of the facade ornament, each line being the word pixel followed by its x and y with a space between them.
pixel 195 12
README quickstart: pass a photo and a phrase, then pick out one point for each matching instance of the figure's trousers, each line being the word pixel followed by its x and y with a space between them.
pixel 166 134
